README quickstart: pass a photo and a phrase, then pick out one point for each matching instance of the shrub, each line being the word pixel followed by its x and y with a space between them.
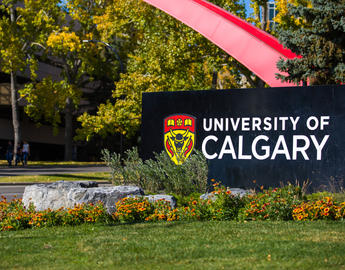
pixel 47 218
pixel 14 216
pixel 163 174
pixel 159 174
pixel 163 212
pixel 182 201
pixel 272 204
pixel 222 205
pixel 324 208
pixel 225 206
pixel 130 210
pixel 337 197
pixel 84 213
pixel 113 161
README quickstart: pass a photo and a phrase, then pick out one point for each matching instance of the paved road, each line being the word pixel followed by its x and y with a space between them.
pixel 12 191
pixel 48 170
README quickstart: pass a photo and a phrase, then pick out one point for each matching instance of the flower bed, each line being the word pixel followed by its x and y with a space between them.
pixel 284 203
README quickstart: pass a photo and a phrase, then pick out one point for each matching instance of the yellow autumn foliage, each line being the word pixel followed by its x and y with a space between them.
pixel 64 41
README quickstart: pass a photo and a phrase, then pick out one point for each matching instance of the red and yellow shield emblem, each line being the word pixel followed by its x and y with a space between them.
pixel 179 137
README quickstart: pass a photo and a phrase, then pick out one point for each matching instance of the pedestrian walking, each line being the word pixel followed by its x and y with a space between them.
pixel 18 158
pixel 9 153
pixel 25 152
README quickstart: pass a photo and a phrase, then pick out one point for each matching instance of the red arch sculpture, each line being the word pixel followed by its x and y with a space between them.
pixel 254 48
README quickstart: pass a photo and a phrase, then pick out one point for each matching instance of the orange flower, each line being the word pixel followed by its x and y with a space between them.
pixel 194 202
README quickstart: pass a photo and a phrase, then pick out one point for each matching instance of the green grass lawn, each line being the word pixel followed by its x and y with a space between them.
pixel 90 176
pixel 178 245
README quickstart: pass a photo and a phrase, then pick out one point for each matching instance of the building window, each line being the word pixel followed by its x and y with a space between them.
pixel 272 12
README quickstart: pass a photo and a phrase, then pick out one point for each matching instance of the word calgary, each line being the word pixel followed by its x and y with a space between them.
pixel 240 138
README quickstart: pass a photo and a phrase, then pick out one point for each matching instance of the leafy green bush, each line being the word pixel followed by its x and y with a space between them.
pixel 225 206
pixel 182 201
pixel 337 197
pixel 113 161
pixel 14 216
pixel 160 174
pixel 163 212
pixel 221 205
pixel 324 208
pixel 272 204
pixel 130 210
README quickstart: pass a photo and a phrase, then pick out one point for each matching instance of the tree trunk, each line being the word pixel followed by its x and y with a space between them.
pixel 15 114
pixel 214 79
pixel 264 17
pixel 68 129
pixel 14 100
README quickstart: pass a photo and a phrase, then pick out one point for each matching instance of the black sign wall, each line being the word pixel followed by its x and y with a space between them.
pixel 269 135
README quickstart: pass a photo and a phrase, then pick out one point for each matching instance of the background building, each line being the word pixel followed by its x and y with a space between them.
pixel 272 12
pixel 45 145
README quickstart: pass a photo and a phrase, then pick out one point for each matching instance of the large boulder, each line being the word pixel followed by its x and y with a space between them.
pixel 158 197
pixel 171 199
pixel 234 191
pixel 68 194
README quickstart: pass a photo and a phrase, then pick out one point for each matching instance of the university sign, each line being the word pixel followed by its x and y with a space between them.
pixel 269 135
pixel 261 147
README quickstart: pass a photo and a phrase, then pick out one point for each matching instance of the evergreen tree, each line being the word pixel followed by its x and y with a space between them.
pixel 319 39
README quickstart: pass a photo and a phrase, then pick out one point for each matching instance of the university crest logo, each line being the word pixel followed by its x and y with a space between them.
pixel 179 137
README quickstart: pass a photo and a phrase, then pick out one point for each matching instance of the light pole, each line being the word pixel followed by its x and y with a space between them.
pixel 110 47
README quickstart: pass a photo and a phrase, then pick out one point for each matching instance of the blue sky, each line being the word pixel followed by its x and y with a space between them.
pixel 248 8
pixel 247 5
pixel 247 2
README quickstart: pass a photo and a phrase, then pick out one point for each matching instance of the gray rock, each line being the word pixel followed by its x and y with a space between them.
pixel 153 198
pixel 68 194
pixel 168 198
pixel 234 191
pixel 208 196
pixel 239 192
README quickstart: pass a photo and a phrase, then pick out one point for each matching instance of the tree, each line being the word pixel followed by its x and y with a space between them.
pixel 260 14
pixel 79 62
pixel 283 17
pixel 23 25
pixel 318 35
pixel 163 55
